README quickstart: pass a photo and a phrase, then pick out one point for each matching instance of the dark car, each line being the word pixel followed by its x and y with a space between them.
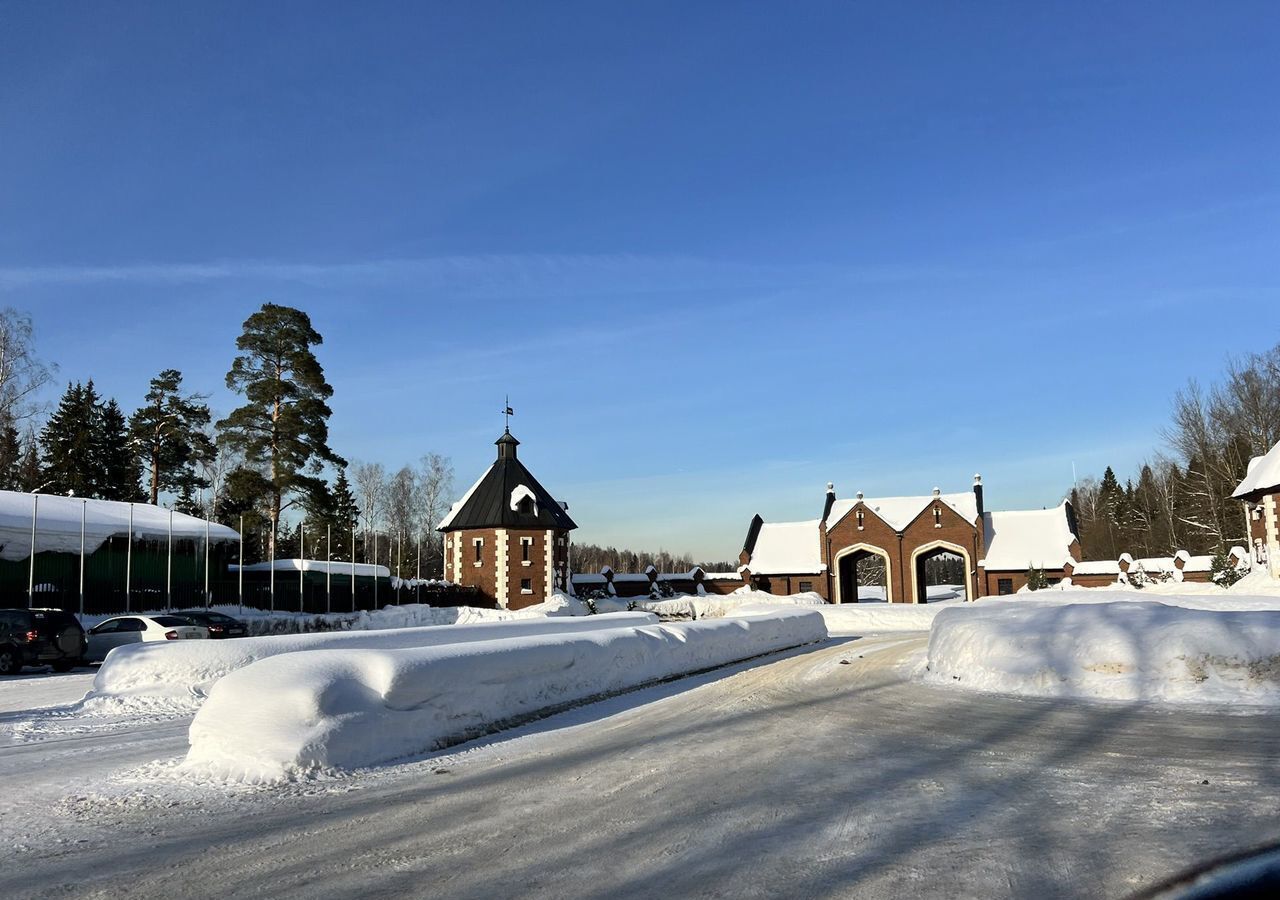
pixel 219 624
pixel 38 637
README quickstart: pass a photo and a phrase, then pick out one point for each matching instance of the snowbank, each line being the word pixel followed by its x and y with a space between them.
pixel 180 674
pixel 687 606
pixel 1134 650
pixel 869 618
pixel 304 712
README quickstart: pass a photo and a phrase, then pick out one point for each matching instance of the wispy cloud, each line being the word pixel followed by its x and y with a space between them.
pixel 482 275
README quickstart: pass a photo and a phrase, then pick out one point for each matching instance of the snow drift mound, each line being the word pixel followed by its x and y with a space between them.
pixel 179 675
pixel 1116 651
pixel 303 712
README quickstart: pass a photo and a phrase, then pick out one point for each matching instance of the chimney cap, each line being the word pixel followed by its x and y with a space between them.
pixel 977 479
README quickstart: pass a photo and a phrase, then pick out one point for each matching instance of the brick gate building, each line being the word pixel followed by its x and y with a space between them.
pixel 902 534
pixel 507 536
pixel 1260 493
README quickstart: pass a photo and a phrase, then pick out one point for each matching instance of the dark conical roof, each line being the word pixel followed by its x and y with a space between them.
pixel 493 501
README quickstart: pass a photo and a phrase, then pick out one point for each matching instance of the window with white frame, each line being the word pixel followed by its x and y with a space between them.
pixel 478 544
pixel 526 551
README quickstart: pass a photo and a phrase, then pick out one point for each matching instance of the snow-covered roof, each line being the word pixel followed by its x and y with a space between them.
pixel 1096 567
pixel 1018 539
pixel 58 524
pixel 721 576
pixel 1154 564
pixel 1263 474
pixel 367 570
pixel 787 548
pixel 899 512
pixel 1197 563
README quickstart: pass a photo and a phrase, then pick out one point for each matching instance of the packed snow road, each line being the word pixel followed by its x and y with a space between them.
pixel 818 772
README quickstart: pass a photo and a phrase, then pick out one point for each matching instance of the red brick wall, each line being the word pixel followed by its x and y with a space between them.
pixel 484 577
pixel 781 585
pixel 920 532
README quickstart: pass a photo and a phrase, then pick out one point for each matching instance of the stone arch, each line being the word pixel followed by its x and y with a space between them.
pixel 926 550
pixel 837 592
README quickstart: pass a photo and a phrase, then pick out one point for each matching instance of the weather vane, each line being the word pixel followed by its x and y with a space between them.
pixel 507 413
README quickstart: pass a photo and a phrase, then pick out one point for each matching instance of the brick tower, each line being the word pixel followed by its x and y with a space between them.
pixel 507 536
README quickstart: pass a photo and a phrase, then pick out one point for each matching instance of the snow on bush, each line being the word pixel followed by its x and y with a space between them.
pixel 305 712
pixel 179 675
pixel 1133 650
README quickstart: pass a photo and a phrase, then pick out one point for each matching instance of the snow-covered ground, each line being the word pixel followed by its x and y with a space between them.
pixel 817 772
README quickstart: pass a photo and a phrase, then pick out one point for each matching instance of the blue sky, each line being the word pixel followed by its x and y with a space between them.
pixel 718 254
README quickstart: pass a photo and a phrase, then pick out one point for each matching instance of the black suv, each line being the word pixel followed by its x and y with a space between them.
pixel 38 637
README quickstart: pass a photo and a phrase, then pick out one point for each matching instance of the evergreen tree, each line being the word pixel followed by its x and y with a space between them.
pixel 117 462
pixel 283 425
pixel 242 505
pixel 70 443
pixel 30 473
pixel 168 434
pixel 1110 499
pixel 188 502
pixel 10 456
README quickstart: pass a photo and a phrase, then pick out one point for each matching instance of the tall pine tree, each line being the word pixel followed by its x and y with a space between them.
pixel 284 424
pixel 167 431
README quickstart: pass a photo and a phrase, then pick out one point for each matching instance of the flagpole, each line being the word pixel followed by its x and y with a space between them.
pixel 168 573
pixel 328 567
pixel 84 511
pixel 302 565
pixel 31 568
pixel 353 565
pixel 240 568
pixel 128 562
pixel 206 564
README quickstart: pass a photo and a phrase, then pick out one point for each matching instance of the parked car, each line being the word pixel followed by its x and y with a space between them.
pixel 111 633
pixel 219 624
pixel 37 637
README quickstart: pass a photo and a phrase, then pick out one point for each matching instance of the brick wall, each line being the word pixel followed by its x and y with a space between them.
pixel 949 527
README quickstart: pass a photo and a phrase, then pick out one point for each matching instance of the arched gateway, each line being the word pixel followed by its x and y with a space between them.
pixel 903 534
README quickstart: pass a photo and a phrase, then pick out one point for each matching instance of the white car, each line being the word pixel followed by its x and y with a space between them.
pixel 111 633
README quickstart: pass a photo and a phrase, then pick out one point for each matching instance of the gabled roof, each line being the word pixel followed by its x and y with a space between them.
pixel 899 512
pixel 1019 539
pixel 787 548
pixel 494 501
pixel 1262 476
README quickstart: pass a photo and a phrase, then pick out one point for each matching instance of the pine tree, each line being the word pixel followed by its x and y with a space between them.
pixel 188 502
pixel 117 462
pixel 283 425
pixel 168 434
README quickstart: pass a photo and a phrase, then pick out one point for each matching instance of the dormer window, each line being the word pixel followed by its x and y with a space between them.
pixel 523 502
pixel 526 506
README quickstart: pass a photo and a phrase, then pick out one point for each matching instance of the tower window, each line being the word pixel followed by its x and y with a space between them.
pixel 478 543
pixel 937 517
pixel 526 546
pixel 860 520
pixel 526 585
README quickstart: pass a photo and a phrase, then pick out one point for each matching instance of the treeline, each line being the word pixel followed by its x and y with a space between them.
pixel 591 558
pixel 266 468
pixel 1180 500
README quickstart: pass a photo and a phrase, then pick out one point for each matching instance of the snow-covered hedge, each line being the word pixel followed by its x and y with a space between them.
pixel 1131 650
pixel 180 674
pixel 304 712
